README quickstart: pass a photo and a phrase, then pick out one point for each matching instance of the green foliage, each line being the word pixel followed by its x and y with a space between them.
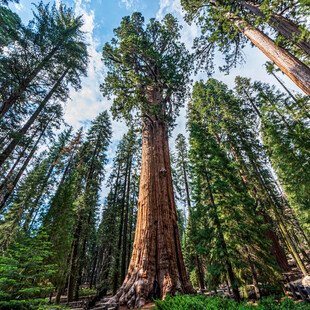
pixel 145 58
pixel 53 307
pixel 284 125
pixel 200 302
pixel 10 25
pixel 24 274
pixel 219 32
pixel 119 205
pixel 87 292
pixel 227 226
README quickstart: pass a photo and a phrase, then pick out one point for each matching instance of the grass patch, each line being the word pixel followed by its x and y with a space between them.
pixel 200 302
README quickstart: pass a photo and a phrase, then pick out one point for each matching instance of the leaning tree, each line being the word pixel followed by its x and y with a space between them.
pixel 227 25
pixel 148 74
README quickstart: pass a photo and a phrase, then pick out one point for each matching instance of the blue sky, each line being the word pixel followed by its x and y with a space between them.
pixel 101 17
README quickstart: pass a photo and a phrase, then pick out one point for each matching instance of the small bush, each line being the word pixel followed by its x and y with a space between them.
pixel 201 302
pixel 24 275
pixel 87 292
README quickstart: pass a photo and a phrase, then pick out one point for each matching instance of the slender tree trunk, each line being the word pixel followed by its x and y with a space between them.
pixel 156 267
pixel 276 249
pixel 81 235
pixel 253 273
pixel 284 26
pixel 35 204
pixel 120 236
pixel 81 265
pixel 283 85
pixel 297 71
pixel 125 237
pixel 74 261
pixel 276 208
pixel 21 171
pixel 285 233
pixel 10 148
pixel 200 272
pixel 298 102
pixel 93 270
pixel 228 264
pixel 197 259
pixel 58 295
pixel 130 237
pixel 21 155
pixel 188 198
pixel 6 105
pixel 104 274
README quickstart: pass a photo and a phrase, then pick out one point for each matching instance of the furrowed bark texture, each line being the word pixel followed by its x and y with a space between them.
pixel 281 24
pixel 297 71
pixel 156 268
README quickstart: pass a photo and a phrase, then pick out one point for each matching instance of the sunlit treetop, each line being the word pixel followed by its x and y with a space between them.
pixel 148 68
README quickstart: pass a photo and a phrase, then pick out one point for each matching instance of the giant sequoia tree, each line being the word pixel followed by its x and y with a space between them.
pixel 148 73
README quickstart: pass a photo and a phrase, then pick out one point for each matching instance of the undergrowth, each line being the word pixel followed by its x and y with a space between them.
pixel 201 302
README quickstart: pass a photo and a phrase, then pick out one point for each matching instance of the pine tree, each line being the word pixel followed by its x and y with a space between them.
pixel 232 225
pixel 192 259
pixel 53 40
pixel 284 127
pixel 93 158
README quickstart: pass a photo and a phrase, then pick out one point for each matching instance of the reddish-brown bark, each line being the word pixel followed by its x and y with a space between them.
pixel 276 249
pixel 297 71
pixel 156 267
pixel 281 24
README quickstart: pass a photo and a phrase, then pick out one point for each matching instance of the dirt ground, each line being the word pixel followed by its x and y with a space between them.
pixel 146 307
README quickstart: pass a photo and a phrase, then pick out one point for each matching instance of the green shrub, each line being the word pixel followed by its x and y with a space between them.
pixel 87 291
pixel 201 302
pixel 24 274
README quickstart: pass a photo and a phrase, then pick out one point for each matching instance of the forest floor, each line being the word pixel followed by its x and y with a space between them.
pixel 294 277
pixel 146 307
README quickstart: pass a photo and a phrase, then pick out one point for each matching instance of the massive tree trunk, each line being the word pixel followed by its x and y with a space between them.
pixel 284 26
pixel 297 71
pixel 156 268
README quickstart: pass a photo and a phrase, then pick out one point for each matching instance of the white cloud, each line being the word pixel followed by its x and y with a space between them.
pixel 188 32
pixel 87 103
pixel 128 3
pixel 18 6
